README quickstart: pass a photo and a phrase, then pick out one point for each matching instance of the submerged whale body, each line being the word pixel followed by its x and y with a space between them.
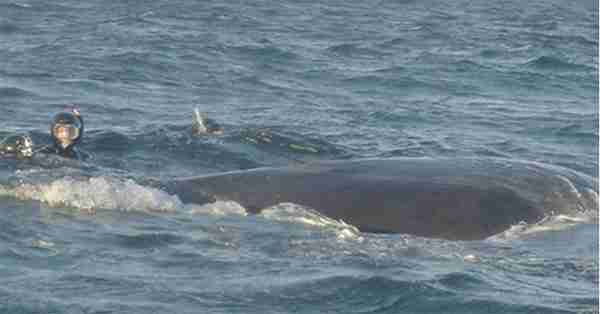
pixel 451 198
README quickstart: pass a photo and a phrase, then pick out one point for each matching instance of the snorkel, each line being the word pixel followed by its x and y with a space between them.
pixel 202 125
pixel 198 125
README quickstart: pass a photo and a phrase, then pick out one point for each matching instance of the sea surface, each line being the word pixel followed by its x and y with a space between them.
pixel 290 82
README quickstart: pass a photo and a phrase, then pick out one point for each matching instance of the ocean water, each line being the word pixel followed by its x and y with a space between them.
pixel 290 82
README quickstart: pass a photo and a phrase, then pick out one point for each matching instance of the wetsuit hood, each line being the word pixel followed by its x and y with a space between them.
pixel 70 123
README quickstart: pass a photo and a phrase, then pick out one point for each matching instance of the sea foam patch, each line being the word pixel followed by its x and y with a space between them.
pixel 96 193
pixel 550 223
pixel 292 213
pixel 112 194
pixel 217 208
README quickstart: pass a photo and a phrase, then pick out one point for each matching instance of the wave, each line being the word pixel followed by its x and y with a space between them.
pixel 369 82
pixel 267 54
pixel 15 5
pixel 393 43
pixel 8 28
pixel 141 150
pixel 280 142
pixel 353 50
pixel 550 63
pixel 468 66
pixel 108 193
pixel 392 70
pixel 219 208
pixel 14 92
pixel 351 293
pixel 148 240
pixel 578 131
pixel 142 65
pixel 549 224
pixel 296 214
pixel 32 74
pixel 253 82
pixel 238 148
pixel 109 141
pixel 96 193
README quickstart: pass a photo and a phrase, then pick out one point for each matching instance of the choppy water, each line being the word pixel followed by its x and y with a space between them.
pixel 291 82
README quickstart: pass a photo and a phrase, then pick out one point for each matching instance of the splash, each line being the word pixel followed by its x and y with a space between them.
pixel 292 213
pixel 112 194
pixel 550 223
pixel 218 208
pixel 96 193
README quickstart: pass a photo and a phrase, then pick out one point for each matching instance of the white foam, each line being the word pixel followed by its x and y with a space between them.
pixel 550 223
pixel 96 193
pixel 42 244
pixel 217 208
pixel 22 5
pixel 471 258
pixel 45 245
pixel 292 213
pixel 570 186
pixel 113 194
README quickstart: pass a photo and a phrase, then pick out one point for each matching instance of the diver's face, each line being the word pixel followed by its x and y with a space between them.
pixel 64 134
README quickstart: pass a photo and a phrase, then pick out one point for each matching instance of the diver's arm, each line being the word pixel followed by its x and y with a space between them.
pixel 48 149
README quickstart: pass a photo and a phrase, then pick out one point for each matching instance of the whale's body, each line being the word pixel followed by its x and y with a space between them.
pixel 452 198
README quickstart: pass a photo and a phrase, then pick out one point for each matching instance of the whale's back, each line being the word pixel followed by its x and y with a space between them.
pixel 444 198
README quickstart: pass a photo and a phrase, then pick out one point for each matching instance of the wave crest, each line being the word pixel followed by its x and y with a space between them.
pixel 96 193
pixel 292 213
pixel 550 223
pixel 110 193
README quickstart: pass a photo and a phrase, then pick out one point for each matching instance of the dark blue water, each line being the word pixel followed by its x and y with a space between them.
pixel 290 82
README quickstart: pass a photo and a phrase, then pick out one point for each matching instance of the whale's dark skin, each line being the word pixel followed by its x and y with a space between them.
pixel 452 198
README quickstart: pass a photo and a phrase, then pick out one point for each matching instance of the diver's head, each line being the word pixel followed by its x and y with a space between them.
pixel 66 129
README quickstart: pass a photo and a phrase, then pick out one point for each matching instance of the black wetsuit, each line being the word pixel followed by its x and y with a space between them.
pixel 69 152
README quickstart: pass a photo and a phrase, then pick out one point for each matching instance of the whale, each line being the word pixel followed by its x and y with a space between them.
pixel 448 198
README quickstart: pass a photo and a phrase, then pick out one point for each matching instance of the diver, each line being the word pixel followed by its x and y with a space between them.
pixel 202 125
pixel 66 131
